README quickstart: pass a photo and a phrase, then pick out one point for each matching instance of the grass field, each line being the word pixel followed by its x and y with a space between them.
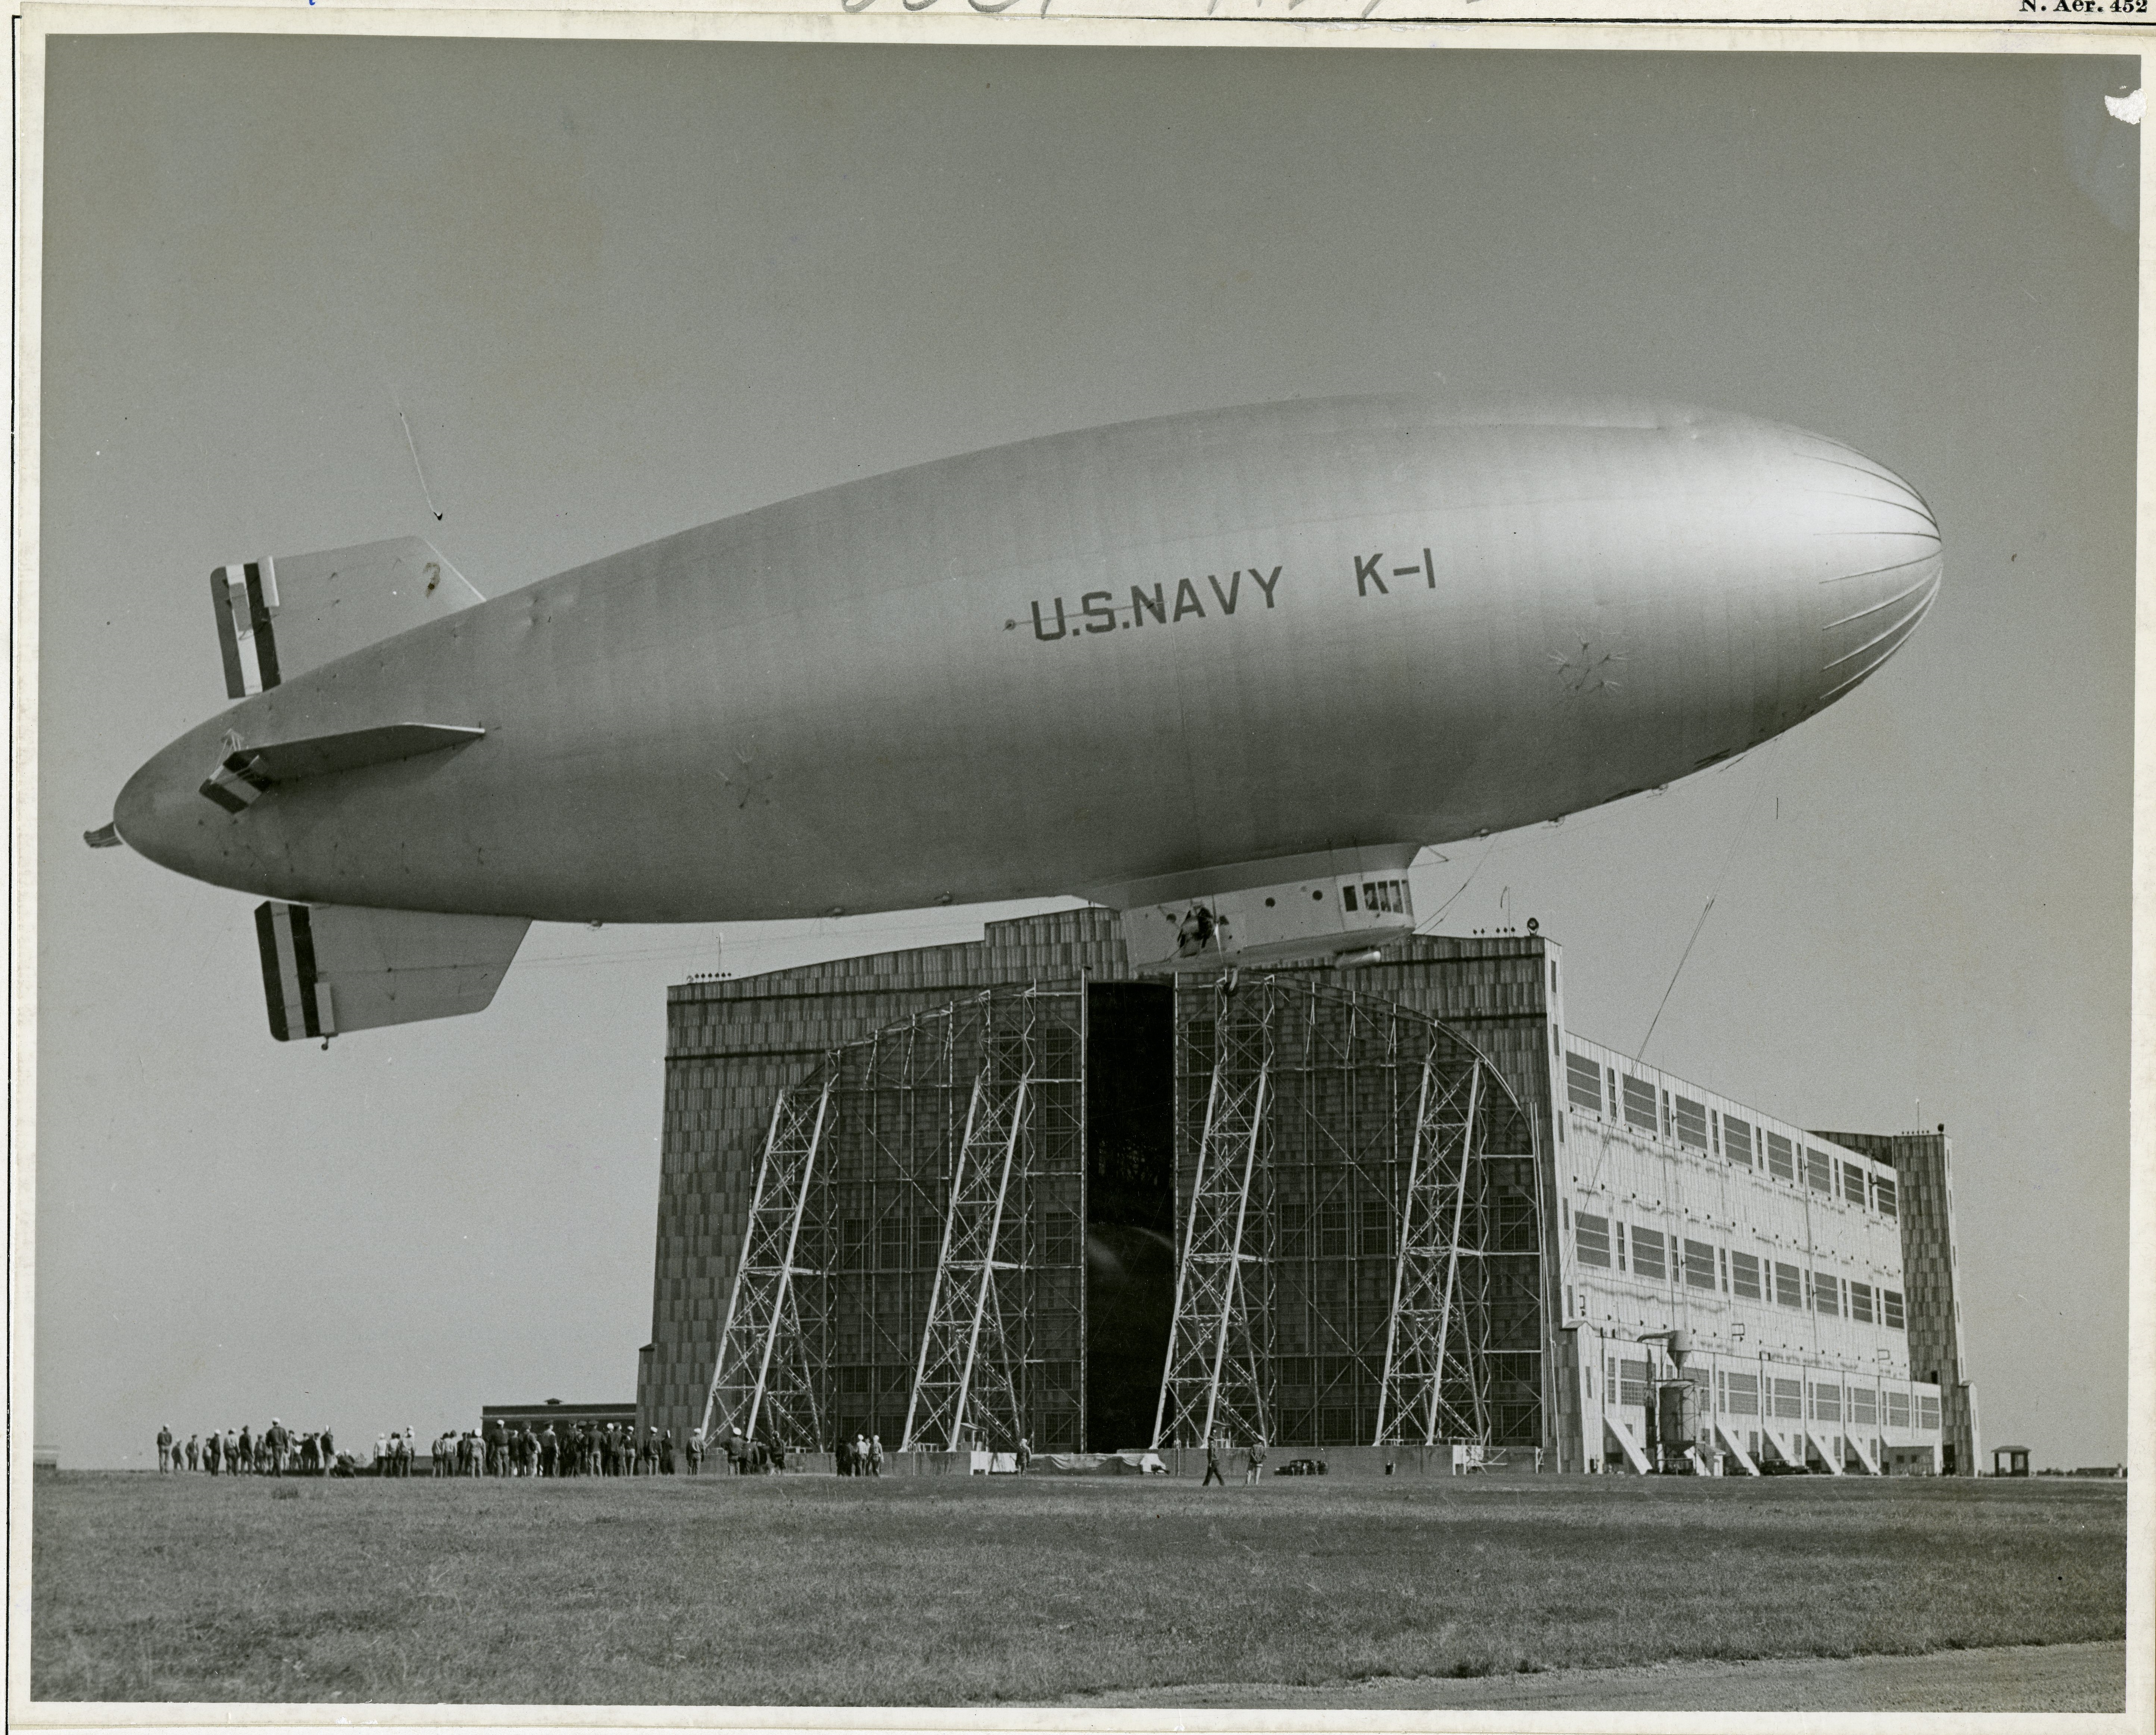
pixel 799 1589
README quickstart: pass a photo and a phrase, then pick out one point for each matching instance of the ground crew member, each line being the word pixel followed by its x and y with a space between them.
pixel 1024 1453
pixel 165 1449
pixel 1252 1464
pixel 1212 1465
pixel 194 1451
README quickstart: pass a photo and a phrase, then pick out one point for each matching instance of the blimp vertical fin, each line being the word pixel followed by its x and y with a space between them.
pixel 278 616
pixel 327 968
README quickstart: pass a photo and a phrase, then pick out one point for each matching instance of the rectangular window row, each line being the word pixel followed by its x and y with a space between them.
pixel 1741 1394
pixel 1601 1090
pixel 1387 896
pixel 1646 1253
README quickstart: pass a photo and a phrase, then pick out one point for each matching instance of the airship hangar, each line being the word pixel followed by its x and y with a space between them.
pixel 965 1194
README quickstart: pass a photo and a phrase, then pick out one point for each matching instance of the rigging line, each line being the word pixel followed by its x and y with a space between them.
pixel 414 450
pixel 1744 826
pixel 1424 927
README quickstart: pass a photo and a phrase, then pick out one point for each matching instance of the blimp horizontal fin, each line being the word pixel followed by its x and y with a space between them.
pixel 281 616
pixel 327 968
pixel 244 773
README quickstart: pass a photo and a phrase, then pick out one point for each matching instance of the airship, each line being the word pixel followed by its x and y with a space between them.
pixel 1225 672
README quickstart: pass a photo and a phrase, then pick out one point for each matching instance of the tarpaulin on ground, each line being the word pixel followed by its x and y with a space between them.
pixel 1097 1464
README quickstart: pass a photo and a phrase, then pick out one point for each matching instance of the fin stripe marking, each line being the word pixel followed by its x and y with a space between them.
pixel 273 988
pixel 227 636
pixel 258 605
pixel 303 967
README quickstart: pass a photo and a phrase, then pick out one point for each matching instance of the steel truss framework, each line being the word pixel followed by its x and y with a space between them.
pixel 1211 1388
pixel 1372 1270
pixel 967 1382
pixel 764 1377
pixel 936 1207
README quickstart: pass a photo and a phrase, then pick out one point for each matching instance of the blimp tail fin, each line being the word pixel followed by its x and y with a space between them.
pixel 327 968
pixel 281 616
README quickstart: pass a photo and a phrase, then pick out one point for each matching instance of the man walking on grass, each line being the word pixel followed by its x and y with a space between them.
pixel 1212 1465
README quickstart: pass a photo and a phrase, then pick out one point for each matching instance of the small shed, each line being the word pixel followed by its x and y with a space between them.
pixel 2009 1460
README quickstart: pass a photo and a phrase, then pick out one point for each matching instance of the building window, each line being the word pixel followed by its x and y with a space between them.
pixel 1852 1183
pixel 1590 1238
pixel 1826 1403
pixel 1647 1254
pixel 1698 1264
pixel 1332 1229
pixel 1789 1400
pixel 1640 1106
pixel 1889 1309
pixel 1781 1161
pixel 1788 1287
pixel 1928 1411
pixel 1347 897
pixel 1741 1393
pixel 1882 1190
pixel 1863 1406
pixel 1376 1231
pixel 1859 1304
pixel 1818 1172
pixel 1690 1118
pixel 1744 1276
pixel 1582 1084
pixel 1826 1293
pixel 1737 1140
pixel 1898 1410
pixel 1632 1383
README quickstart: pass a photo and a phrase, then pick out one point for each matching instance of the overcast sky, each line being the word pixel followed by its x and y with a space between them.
pixel 619 290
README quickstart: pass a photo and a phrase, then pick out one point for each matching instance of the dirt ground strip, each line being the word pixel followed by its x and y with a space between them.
pixel 2018 1677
